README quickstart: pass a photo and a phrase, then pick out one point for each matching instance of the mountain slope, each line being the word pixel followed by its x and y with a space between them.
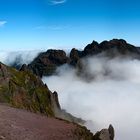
pixel 18 124
pixel 23 89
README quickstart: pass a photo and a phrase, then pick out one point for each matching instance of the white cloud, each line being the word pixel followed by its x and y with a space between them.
pixel 2 23
pixel 56 2
pixel 18 57
pixel 110 96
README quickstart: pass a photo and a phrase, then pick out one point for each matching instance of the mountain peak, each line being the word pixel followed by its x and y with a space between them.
pixel 46 62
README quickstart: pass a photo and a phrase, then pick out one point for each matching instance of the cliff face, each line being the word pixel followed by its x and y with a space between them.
pixel 46 63
pixel 23 89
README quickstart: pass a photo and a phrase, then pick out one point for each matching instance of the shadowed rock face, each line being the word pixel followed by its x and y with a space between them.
pixel 119 45
pixel 46 63
pixel 110 48
pixel 75 56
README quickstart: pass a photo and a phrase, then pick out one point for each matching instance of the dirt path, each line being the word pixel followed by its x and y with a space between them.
pixel 16 124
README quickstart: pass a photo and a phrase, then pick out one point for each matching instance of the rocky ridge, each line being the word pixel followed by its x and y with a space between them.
pixel 46 63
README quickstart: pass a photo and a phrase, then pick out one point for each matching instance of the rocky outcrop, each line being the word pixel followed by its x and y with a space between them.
pixel 47 62
pixel 105 134
pixel 116 45
pixel 110 48
pixel 23 89
pixel 75 56
pixel 24 67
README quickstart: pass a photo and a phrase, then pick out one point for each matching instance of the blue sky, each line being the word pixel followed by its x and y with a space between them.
pixel 42 24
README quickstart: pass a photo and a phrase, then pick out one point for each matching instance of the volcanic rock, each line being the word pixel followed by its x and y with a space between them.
pixel 112 48
pixel 47 62
pixel 75 56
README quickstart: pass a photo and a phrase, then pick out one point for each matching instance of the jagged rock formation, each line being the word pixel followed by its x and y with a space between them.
pixel 110 48
pixel 46 63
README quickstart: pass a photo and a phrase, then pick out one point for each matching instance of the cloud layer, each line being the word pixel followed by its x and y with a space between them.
pixel 112 95
pixel 18 58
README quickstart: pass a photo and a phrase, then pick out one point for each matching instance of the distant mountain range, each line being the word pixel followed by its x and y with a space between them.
pixel 46 63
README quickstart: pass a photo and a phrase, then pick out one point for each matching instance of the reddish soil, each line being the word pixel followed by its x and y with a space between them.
pixel 16 124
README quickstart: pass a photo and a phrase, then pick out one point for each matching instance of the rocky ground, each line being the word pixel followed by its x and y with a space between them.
pixel 16 124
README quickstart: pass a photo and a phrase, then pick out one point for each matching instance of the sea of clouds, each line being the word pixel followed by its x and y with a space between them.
pixel 105 91
pixel 17 57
